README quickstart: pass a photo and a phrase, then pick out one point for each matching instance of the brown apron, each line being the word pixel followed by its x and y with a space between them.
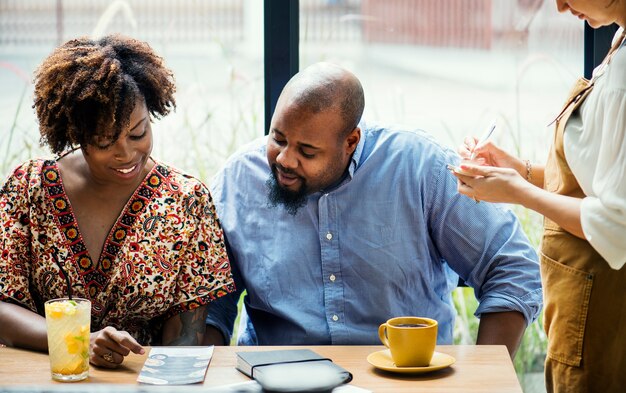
pixel 584 299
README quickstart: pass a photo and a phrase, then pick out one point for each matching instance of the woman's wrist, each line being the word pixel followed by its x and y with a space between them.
pixel 529 196
pixel 528 166
pixel 520 167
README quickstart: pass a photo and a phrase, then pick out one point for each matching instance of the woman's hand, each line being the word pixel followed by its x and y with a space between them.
pixel 488 154
pixel 492 184
pixel 109 346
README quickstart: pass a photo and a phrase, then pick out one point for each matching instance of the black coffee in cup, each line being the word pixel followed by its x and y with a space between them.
pixel 411 340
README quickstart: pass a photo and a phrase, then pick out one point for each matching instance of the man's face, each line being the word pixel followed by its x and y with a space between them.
pixel 307 152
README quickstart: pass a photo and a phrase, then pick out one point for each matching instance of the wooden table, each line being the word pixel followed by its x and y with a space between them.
pixel 485 368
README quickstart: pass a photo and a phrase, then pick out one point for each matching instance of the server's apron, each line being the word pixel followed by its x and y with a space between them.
pixel 584 299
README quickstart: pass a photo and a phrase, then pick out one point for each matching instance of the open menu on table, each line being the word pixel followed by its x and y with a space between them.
pixel 175 365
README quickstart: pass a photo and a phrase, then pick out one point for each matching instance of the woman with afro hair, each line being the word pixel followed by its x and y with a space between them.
pixel 104 220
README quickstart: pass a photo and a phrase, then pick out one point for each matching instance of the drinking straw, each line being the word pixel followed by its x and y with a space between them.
pixel 55 252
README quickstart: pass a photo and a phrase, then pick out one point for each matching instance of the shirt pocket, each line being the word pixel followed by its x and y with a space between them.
pixel 566 303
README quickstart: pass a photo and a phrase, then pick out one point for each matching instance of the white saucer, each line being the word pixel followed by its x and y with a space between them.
pixel 383 361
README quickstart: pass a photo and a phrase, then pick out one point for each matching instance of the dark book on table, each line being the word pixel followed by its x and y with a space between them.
pixel 281 366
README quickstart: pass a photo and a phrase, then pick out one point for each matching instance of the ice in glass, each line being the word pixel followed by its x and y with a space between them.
pixel 68 324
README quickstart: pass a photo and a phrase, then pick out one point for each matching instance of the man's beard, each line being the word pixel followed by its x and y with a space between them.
pixel 292 201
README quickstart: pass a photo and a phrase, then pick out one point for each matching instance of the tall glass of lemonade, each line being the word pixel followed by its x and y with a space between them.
pixel 67 322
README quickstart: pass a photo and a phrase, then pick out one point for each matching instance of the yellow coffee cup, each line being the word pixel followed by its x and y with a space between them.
pixel 411 340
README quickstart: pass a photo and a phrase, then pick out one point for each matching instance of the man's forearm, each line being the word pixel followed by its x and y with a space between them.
pixel 187 328
pixel 213 336
pixel 502 328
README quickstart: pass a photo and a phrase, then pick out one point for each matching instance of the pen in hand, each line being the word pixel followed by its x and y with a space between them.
pixel 484 138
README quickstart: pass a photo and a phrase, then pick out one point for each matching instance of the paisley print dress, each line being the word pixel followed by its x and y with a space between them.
pixel 164 255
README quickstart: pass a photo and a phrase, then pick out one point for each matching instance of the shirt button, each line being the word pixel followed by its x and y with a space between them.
pixel 329 236
pixel 332 278
pixel 335 318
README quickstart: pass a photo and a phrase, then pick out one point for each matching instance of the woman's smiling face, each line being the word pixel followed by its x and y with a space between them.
pixel 596 12
pixel 123 161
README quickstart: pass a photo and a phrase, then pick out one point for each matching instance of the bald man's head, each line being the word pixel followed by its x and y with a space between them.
pixel 326 86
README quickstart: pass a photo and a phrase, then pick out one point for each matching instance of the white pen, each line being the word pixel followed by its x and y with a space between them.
pixel 484 138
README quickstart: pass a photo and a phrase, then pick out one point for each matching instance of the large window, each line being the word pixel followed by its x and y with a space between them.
pixel 214 48
pixel 451 66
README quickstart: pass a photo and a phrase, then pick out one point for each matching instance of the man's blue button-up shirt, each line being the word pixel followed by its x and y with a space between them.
pixel 392 239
